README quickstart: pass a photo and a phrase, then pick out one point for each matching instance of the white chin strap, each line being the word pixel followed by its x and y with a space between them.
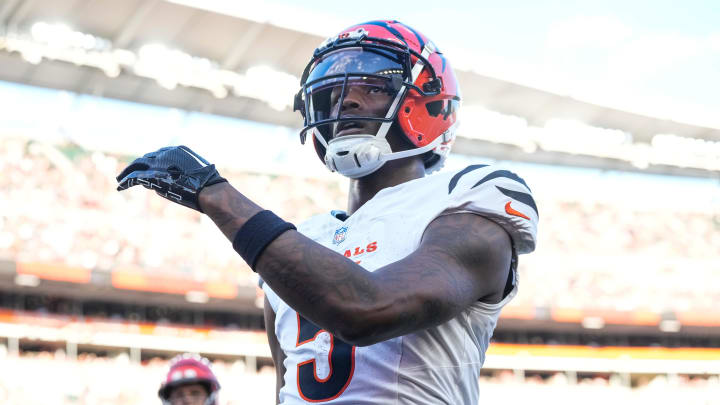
pixel 356 156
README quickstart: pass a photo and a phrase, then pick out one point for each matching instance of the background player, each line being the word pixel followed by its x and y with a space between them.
pixel 409 318
pixel 189 381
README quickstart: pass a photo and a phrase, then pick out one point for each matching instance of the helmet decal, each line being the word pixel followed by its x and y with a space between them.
pixel 390 29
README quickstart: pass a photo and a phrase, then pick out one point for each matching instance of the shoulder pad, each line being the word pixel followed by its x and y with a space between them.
pixel 500 195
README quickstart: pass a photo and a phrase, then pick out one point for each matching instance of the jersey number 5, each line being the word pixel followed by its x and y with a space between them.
pixel 341 359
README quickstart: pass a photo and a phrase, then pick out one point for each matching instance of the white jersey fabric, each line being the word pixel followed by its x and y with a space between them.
pixel 439 365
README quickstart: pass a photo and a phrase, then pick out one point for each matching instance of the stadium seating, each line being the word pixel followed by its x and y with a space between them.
pixel 60 207
pixel 92 379
pixel 41 378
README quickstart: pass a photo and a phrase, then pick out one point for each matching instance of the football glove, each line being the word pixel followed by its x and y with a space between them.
pixel 175 172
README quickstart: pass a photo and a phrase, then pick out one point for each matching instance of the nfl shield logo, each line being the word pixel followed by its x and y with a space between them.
pixel 340 235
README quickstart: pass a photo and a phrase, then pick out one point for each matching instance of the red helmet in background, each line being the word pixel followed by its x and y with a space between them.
pixel 186 369
pixel 424 96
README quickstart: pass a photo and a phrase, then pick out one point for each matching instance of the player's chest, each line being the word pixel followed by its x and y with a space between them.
pixel 372 241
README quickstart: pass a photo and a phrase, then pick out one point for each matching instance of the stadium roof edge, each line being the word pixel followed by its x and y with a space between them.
pixel 609 116
pixel 242 42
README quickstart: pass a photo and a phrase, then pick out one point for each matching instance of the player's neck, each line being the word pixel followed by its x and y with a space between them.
pixel 391 174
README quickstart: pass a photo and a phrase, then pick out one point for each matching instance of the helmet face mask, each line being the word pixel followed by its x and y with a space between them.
pixel 350 74
pixel 329 77
pixel 327 100
pixel 197 394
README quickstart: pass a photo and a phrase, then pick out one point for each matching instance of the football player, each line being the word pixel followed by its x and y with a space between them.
pixel 393 301
pixel 189 381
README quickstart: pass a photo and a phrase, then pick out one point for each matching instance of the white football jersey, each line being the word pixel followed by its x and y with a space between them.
pixel 439 365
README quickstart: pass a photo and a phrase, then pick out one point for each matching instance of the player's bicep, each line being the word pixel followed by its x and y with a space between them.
pixel 276 352
pixel 462 258
pixel 474 249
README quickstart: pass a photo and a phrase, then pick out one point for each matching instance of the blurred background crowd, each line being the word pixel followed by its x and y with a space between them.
pixel 611 120
pixel 103 380
pixel 60 206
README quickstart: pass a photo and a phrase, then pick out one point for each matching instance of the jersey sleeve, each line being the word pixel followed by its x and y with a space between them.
pixel 499 195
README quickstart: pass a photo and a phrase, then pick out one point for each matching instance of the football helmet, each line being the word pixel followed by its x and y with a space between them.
pixel 189 369
pixel 378 57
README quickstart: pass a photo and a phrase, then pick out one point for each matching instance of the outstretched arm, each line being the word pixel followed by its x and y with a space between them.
pixel 462 258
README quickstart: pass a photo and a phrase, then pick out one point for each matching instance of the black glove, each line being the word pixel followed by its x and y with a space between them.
pixel 175 172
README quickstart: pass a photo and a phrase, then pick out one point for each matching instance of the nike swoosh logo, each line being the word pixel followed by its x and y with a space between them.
pixel 512 211
pixel 202 164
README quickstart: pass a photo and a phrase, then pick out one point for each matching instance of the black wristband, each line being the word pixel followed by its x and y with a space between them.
pixel 254 236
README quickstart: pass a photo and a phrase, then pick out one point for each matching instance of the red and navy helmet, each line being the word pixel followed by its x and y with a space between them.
pixel 186 369
pixel 409 66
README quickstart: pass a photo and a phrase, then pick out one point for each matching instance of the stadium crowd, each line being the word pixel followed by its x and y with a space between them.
pixel 622 258
pixel 58 204
pixel 42 378
pixel 103 380
pixel 600 389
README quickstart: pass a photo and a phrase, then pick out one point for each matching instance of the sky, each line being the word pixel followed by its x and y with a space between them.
pixel 655 57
